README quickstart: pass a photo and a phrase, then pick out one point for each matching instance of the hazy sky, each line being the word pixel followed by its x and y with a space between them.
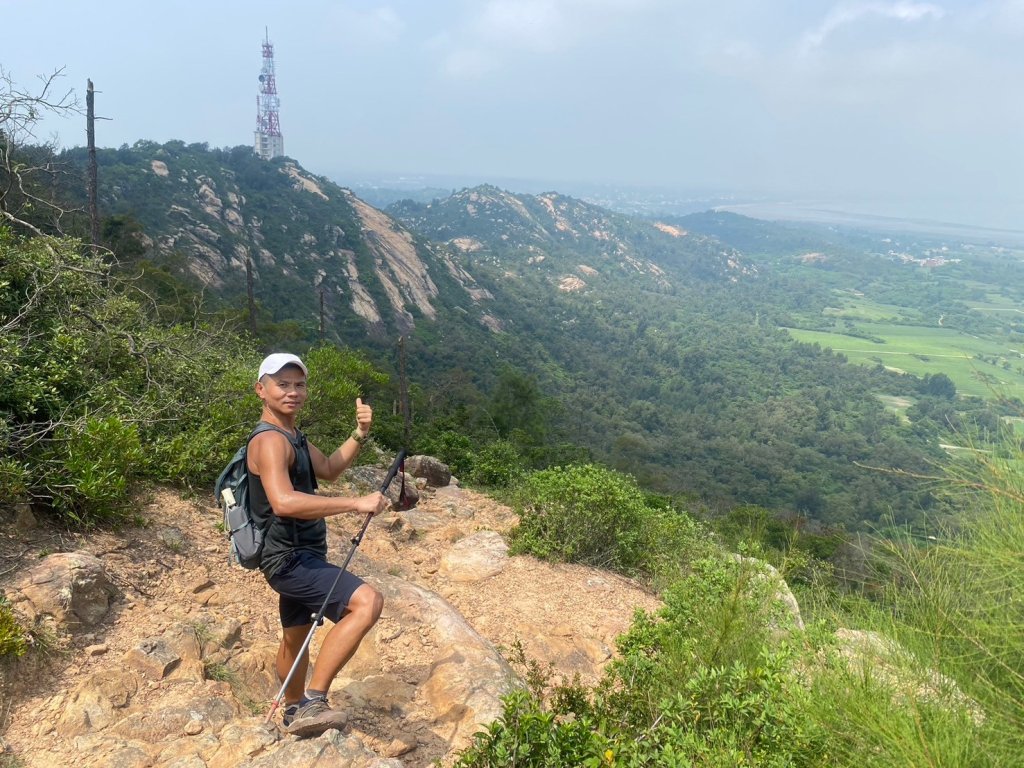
pixel 898 108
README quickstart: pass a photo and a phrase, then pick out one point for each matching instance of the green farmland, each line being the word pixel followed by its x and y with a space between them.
pixel 922 350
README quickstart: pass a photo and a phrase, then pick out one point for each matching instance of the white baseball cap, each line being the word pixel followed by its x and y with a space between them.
pixel 273 363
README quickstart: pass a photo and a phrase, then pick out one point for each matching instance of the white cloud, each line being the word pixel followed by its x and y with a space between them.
pixel 367 27
pixel 844 15
pixel 497 31
pixel 531 24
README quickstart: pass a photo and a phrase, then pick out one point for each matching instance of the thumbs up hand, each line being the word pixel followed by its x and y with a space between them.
pixel 364 417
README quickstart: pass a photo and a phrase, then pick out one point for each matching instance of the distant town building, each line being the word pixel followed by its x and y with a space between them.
pixel 269 141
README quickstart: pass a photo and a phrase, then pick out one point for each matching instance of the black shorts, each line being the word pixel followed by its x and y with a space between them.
pixel 302 584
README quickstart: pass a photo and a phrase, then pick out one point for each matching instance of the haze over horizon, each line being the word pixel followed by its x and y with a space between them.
pixel 901 109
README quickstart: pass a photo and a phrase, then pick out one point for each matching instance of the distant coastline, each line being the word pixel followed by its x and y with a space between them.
pixel 811 213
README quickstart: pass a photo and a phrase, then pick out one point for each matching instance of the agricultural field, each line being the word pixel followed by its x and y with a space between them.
pixel 853 305
pixel 922 350
pixel 925 307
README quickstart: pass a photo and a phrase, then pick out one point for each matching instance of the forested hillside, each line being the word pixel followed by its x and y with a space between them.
pixel 690 385
pixel 549 328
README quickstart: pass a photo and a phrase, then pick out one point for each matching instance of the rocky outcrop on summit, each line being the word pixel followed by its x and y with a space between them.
pixel 397 264
pixel 214 214
pixel 434 472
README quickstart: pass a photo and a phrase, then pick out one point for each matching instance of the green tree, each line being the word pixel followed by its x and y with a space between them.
pixel 517 408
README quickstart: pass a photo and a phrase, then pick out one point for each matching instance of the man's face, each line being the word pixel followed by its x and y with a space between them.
pixel 283 391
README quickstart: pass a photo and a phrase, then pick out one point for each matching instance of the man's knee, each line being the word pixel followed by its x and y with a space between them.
pixel 367 603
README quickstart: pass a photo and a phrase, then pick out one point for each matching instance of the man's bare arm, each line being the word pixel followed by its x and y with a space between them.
pixel 330 467
pixel 270 455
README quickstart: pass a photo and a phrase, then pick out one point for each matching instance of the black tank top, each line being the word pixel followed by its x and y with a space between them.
pixel 283 537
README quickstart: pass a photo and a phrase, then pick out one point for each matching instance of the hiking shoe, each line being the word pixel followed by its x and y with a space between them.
pixel 311 717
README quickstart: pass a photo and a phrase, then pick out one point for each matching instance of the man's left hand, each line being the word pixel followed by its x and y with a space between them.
pixel 364 417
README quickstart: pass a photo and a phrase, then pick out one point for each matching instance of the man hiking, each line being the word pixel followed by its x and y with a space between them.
pixel 283 469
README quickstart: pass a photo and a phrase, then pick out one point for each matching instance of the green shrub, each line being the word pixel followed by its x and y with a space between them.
pixel 590 514
pixel 14 479
pixel 581 514
pixel 497 465
pixel 336 378
pixel 720 615
pixel 97 464
pixel 735 715
pixel 530 735
pixel 13 641
pixel 206 434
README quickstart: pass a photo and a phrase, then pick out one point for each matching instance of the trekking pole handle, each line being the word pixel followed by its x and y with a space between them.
pixel 399 459
pixel 395 465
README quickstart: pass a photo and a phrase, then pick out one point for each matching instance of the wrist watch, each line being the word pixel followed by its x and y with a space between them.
pixel 359 437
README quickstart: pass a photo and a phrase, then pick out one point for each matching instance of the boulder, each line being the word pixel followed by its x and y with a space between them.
pixel 154 657
pixel 782 595
pixel 93 705
pixel 72 588
pixel 434 471
pixel 475 557
pixel 412 493
pixel 452 494
pixel 253 670
pixel 868 653
pixel 424 649
pixel 24 520
pixel 369 479
pixel 188 711
pixel 242 740
pixel 331 750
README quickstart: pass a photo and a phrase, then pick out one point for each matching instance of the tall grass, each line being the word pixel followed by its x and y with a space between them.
pixel 956 609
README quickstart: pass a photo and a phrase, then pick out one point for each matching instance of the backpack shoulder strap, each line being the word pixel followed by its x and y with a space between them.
pixel 264 426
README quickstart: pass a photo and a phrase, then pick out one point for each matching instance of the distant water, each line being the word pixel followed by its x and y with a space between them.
pixel 809 212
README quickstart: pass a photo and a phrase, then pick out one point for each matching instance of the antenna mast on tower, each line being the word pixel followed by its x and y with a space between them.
pixel 269 142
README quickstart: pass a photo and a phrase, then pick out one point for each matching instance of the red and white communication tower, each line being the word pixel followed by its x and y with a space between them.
pixel 269 142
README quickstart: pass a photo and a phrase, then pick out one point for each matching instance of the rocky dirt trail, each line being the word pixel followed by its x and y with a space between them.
pixel 162 650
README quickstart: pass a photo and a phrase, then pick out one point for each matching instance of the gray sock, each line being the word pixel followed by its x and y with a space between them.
pixel 313 694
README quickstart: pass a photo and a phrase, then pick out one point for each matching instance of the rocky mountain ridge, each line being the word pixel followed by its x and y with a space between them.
pixel 577 240
pixel 213 214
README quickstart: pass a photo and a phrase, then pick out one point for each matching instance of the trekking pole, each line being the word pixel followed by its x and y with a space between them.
pixel 396 465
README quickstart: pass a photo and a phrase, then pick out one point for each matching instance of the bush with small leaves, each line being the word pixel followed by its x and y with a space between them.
pixel 497 465
pixel 13 641
pixel 589 514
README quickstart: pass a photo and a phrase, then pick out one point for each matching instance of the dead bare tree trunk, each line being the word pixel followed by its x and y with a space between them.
pixel 321 315
pixel 403 383
pixel 249 293
pixel 90 132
